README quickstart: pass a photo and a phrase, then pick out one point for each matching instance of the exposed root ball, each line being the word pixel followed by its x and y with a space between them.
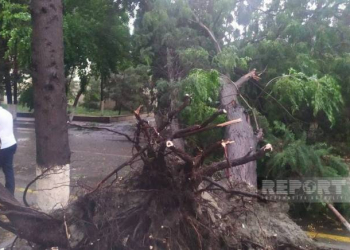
pixel 129 216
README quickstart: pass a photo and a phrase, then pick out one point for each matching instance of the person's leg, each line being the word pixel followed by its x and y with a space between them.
pixel 7 167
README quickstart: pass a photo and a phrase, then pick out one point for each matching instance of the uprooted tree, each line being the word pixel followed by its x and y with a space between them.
pixel 168 201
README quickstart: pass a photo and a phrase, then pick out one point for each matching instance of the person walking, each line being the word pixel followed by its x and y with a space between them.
pixel 8 149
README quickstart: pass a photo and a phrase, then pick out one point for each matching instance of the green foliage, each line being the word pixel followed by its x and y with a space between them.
pixel 194 58
pixel 92 96
pixel 132 87
pixel 96 39
pixel 203 86
pixel 293 157
pixel 228 59
pixel 15 28
pixel 27 97
pixel 300 93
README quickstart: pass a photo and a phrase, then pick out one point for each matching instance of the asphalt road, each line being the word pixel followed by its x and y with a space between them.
pixel 94 155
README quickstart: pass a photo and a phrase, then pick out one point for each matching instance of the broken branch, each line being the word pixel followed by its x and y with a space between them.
pixel 221 125
pixel 213 117
pixel 200 158
pixel 183 155
pixel 172 114
pixel 212 169
pixel 100 129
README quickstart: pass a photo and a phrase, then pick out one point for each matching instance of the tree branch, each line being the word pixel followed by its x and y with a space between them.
pixel 213 117
pixel 100 129
pixel 209 32
pixel 199 130
pixel 212 169
pixel 172 114
pixel 183 155
pixel 200 158
pixel 8 226
pixel 245 78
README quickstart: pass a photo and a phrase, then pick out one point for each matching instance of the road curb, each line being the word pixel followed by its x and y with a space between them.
pixel 97 119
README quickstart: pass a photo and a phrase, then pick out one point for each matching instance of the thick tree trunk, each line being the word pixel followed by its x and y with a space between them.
pixel 50 102
pixel 242 134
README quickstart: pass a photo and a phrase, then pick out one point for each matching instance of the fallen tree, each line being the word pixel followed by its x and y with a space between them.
pixel 170 201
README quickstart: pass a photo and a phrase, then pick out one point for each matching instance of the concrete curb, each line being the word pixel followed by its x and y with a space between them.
pixel 97 119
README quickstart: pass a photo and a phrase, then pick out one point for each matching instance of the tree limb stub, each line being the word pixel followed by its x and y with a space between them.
pixel 242 80
pixel 183 155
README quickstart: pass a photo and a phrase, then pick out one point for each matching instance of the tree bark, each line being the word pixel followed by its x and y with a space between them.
pixel 76 100
pixel 50 104
pixel 75 104
pixel 15 77
pixel 102 100
pixel 30 224
pixel 49 84
pixel 242 134
pixel 7 79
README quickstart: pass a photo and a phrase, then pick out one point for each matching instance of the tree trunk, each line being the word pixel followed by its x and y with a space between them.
pixel 7 79
pixel 174 125
pixel 76 100
pixel 50 102
pixel 102 101
pixel 15 77
pixel 75 104
pixel 242 134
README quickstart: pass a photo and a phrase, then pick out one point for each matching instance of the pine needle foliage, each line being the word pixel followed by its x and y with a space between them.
pixel 293 157
pixel 309 94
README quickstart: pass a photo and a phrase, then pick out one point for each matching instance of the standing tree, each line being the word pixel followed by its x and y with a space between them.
pixel 50 99
pixel 15 32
